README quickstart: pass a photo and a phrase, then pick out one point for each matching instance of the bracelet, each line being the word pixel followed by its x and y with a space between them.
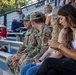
pixel 59 46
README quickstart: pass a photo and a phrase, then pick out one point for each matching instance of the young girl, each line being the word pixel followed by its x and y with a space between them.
pixel 3 32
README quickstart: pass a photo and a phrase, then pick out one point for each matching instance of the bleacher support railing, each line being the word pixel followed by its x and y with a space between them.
pixel 3 18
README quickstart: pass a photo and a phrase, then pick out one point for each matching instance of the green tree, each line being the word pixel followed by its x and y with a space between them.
pixel 9 5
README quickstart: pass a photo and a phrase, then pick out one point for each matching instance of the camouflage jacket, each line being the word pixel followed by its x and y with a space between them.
pixel 42 39
pixel 29 41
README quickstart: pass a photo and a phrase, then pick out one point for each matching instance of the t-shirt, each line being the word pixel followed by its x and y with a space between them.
pixel 21 16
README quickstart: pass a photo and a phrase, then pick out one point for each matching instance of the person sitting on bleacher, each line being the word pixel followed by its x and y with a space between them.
pixel 3 32
pixel 29 44
pixel 18 22
pixel 48 12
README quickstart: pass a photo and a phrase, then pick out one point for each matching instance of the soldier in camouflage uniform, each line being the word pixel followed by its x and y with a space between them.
pixel 55 32
pixel 42 38
pixel 29 44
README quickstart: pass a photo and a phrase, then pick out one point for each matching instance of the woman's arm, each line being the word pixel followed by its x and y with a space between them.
pixel 45 54
pixel 59 46
pixel 47 21
pixel 56 55
pixel 67 52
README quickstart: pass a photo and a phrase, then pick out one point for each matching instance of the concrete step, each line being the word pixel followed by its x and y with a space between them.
pixel 2 72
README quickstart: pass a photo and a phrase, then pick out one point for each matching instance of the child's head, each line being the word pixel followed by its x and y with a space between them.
pixel 2 27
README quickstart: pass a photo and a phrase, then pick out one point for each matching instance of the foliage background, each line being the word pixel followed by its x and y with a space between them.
pixel 9 5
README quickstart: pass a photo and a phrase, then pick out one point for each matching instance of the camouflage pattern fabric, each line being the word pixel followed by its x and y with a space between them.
pixel 29 44
pixel 42 39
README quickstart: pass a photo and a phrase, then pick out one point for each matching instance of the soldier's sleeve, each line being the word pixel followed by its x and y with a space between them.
pixel 32 43
pixel 33 40
pixel 22 47
pixel 47 35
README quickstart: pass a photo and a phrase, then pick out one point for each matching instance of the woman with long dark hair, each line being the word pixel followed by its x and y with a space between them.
pixel 66 45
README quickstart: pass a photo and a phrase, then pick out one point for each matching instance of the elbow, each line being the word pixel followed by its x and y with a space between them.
pixel 74 58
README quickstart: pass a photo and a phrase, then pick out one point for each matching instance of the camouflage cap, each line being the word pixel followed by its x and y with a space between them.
pixel 27 18
pixel 35 15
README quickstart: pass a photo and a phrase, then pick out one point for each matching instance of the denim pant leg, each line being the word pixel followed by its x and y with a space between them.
pixel 55 2
pixel 16 25
pixel 64 67
pixel 25 68
pixel 32 70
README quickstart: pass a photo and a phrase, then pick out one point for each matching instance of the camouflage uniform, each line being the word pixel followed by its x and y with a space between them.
pixel 42 39
pixel 29 44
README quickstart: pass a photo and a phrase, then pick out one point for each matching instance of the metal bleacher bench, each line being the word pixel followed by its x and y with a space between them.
pixel 16 35
pixel 22 29
pixel 4 55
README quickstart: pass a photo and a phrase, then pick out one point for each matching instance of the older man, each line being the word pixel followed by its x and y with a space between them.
pixel 18 22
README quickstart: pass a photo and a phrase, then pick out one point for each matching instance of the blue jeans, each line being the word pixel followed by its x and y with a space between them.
pixel 55 2
pixel 29 69
pixel 16 25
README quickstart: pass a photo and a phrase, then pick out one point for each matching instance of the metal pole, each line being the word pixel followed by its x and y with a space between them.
pixel 5 19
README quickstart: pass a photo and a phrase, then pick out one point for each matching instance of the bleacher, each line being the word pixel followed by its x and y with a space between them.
pixel 15 44
pixel 13 15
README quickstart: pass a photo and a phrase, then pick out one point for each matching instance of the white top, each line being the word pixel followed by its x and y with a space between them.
pixel 49 14
pixel 21 17
pixel 74 44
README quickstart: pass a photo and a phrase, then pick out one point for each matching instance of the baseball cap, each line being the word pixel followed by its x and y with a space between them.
pixel 27 18
pixel 2 26
pixel 35 15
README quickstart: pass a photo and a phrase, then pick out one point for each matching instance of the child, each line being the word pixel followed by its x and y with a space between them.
pixel 3 32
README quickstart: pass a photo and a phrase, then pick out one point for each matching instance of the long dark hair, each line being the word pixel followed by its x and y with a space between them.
pixel 70 14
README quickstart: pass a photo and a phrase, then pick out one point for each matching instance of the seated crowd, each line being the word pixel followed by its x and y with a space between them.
pixel 49 44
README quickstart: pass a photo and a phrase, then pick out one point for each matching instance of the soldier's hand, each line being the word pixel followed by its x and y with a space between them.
pixel 14 57
pixel 38 63
pixel 23 54
pixel 34 63
pixel 14 63
pixel 18 56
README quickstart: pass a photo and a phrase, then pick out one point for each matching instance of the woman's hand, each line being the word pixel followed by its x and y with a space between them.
pixel 38 63
pixel 53 44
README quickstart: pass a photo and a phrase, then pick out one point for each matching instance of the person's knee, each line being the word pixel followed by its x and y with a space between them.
pixel 25 68
pixel 51 72
pixel 30 71
pixel 22 71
